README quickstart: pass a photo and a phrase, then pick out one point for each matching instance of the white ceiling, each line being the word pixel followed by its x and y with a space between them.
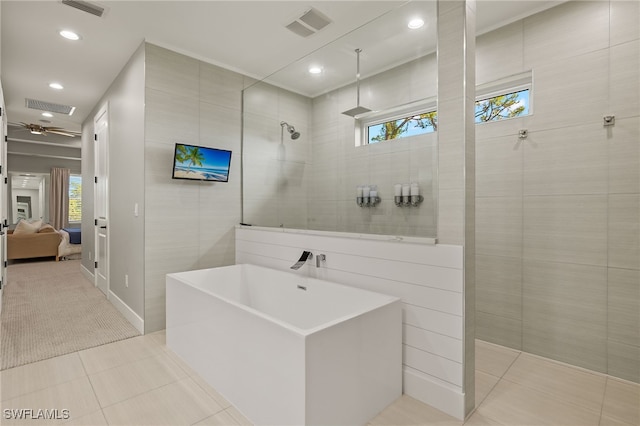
pixel 245 36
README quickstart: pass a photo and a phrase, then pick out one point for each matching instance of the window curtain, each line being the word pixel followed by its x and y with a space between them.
pixel 59 198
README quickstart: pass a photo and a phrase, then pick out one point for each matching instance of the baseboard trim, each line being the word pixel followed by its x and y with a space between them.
pixel 87 274
pixel 127 312
pixel 438 395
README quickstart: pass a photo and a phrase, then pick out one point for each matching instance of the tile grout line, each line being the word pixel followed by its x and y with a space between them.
pixel 604 395
pixel 95 395
pixel 40 389
pixel 186 376
pixel 571 367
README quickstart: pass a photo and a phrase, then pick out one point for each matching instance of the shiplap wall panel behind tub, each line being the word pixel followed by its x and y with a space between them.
pixel 427 277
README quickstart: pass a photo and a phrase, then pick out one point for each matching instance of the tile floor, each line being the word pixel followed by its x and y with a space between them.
pixel 138 381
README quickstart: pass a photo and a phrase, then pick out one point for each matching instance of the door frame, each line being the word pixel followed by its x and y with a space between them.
pixel 103 113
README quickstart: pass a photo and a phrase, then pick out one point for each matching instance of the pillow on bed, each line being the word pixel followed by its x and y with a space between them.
pixel 25 227
pixel 46 228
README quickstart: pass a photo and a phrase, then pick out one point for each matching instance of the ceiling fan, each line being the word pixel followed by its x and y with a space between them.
pixel 37 129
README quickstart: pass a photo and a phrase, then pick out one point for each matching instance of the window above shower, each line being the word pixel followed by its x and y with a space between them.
pixel 417 118
pixel 502 99
pixel 508 97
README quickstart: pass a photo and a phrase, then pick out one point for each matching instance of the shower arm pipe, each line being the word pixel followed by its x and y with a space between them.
pixel 358 76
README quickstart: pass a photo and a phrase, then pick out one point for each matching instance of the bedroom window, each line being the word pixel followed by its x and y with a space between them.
pixel 75 198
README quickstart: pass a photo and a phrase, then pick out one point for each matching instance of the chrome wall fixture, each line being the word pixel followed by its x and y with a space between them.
pixel 609 120
pixel 407 195
pixel 367 196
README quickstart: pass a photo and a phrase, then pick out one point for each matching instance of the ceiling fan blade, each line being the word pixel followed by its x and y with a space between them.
pixel 61 132
pixel 60 129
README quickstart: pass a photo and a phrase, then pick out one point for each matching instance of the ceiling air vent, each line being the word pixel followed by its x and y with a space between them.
pixel 49 106
pixel 309 23
pixel 85 6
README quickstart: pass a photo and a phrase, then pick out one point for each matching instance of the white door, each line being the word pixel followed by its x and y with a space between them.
pixel 101 194
pixel 4 201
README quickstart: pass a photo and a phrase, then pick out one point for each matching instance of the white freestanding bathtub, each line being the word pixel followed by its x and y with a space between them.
pixel 286 349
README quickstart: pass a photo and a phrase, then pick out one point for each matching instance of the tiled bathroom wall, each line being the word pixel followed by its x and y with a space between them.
pixel 558 213
pixel 188 224
pixel 310 183
pixel 276 168
pixel 339 166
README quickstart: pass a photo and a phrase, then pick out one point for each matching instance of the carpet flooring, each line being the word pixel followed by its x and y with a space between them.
pixel 50 309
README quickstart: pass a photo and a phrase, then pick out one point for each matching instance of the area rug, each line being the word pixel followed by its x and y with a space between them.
pixel 51 309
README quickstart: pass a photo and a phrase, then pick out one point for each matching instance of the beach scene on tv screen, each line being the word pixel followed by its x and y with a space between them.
pixel 194 162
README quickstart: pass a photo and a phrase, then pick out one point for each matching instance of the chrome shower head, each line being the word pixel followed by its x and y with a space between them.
pixel 292 130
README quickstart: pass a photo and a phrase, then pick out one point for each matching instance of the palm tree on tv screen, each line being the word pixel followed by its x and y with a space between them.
pixel 195 158
pixel 181 153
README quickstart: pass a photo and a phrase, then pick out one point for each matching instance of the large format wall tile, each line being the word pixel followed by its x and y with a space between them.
pixel 569 160
pixel 623 361
pixel 187 224
pixel 566 229
pixel 570 92
pixel 499 286
pixel 220 87
pixel 564 312
pixel 500 330
pixel 171 72
pixel 499 226
pixel 579 182
pixel 624 82
pixel 560 32
pixel 624 231
pixel 499 165
pixel 625 21
pixel 219 127
pixel 623 300
pixel 499 53
pixel 624 156
pixel 170 117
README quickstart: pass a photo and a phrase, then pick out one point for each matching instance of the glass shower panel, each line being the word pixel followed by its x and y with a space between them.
pixel 310 182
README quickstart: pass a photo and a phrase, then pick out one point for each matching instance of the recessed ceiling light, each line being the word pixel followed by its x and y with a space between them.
pixel 47 114
pixel 415 23
pixel 56 86
pixel 69 35
pixel 315 69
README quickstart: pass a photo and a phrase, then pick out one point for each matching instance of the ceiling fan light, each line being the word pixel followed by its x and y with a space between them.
pixel 35 132
pixel 69 35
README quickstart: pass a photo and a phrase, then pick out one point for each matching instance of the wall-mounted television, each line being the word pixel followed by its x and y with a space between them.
pixel 201 163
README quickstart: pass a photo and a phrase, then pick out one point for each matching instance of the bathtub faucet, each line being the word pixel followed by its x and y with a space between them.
pixel 306 255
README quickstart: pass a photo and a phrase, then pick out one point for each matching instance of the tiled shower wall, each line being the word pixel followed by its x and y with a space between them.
pixel 557 214
pixel 339 166
pixel 558 232
pixel 310 183
pixel 276 169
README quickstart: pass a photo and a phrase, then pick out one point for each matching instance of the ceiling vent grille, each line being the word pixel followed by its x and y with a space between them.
pixel 85 6
pixel 49 106
pixel 310 22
